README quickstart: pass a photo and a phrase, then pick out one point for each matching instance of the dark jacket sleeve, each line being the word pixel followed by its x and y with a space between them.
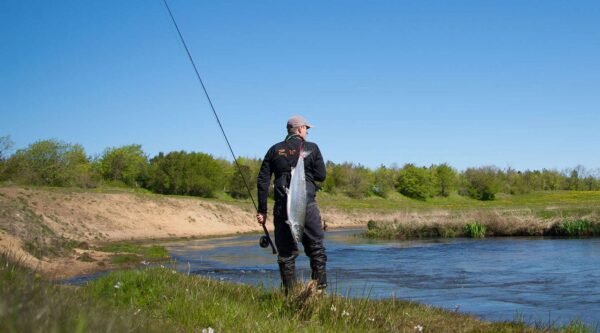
pixel 319 170
pixel 263 182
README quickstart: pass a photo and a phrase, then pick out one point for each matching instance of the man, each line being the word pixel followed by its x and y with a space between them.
pixel 279 160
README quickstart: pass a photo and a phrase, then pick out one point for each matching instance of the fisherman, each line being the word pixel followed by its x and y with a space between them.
pixel 279 160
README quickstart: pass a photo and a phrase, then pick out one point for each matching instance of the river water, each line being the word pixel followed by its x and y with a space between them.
pixel 544 281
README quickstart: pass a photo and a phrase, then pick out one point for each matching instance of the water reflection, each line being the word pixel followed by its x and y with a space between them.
pixel 537 280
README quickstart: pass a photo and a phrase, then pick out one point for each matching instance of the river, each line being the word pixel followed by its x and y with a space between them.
pixel 544 281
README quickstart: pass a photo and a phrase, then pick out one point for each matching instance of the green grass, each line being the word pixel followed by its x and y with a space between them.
pixel 475 230
pixel 126 253
pixel 538 201
pixel 161 300
pixel 577 228
pixel 28 303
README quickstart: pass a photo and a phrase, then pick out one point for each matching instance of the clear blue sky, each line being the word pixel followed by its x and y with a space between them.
pixel 469 83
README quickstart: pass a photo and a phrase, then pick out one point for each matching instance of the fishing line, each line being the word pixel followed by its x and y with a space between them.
pixel 268 238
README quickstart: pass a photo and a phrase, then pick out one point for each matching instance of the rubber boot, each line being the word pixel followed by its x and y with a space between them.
pixel 319 274
pixel 287 269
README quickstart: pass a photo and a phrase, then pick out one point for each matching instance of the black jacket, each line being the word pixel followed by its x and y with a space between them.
pixel 279 160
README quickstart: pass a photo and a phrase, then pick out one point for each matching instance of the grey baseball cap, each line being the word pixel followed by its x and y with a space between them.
pixel 297 121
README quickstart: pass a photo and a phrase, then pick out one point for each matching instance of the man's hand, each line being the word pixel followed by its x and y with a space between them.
pixel 261 218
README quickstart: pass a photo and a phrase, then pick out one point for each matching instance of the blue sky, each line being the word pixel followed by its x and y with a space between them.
pixel 468 83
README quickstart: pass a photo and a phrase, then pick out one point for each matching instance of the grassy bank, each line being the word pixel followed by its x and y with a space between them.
pixel 559 213
pixel 558 202
pixel 160 300
pixel 486 224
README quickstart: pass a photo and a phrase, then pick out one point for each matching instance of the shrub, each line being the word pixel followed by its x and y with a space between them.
pixel 237 183
pixel 383 181
pixel 414 182
pixel 127 164
pixel 444 181
pixel 349 179
pixel 481 183
pixel 184 173
pixel 49 162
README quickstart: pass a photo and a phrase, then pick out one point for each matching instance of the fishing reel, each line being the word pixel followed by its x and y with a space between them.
pixel 263 242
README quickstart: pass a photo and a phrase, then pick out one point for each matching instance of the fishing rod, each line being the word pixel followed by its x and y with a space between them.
pixel 265 240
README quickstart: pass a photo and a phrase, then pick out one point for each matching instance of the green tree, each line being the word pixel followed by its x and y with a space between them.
pixel 358 183
pixel 551 180
pixel 126 164
pixel 444 179
pixel 184 173
pixel 481 183
pixel 249 169
pixel 6 145
pixel 383 181
pixel 414 182
pixel 347 178
pixel 336 177
pixel 572 182
pixel 50 162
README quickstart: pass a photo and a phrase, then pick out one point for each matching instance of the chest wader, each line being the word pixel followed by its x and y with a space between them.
pixel 313 245
pixel 312 240
pixel 287 253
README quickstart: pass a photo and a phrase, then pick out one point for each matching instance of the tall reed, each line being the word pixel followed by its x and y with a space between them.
pixel 475 230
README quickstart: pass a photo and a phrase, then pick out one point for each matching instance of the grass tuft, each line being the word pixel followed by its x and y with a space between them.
pixel 475 230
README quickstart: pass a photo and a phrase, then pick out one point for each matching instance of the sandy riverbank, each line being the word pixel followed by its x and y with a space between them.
pixel 67 226
pixel 41 216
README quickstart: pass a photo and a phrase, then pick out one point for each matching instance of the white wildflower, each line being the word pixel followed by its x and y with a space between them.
pixel 145 263
pixel 371 319
pixel 419 328
pixel 208 330
pixel 345 313
pixel 137 312
pixel 333 308
pixel 118 285
pixel 173 271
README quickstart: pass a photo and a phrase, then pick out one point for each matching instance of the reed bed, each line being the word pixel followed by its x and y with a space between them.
pixel 484 224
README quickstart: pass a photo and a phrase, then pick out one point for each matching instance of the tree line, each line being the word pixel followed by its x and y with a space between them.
pixel 56 163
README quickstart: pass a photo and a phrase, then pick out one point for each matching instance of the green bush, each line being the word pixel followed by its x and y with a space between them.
pixel 349 179
pixel 127 164
pixel 383 181
pixel 444 180
pixel 249 169
pixel 196 174
pixel 481 183
pixel 51 163
pixel 414 182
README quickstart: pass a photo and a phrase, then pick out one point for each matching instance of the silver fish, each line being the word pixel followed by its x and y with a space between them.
pixel 296 200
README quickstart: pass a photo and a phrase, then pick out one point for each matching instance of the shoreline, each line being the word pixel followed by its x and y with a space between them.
pixel 65 228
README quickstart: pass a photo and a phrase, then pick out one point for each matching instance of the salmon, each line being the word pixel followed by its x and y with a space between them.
pixel 296 200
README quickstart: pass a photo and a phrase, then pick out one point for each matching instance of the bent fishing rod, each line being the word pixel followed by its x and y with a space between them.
pixel 265 240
